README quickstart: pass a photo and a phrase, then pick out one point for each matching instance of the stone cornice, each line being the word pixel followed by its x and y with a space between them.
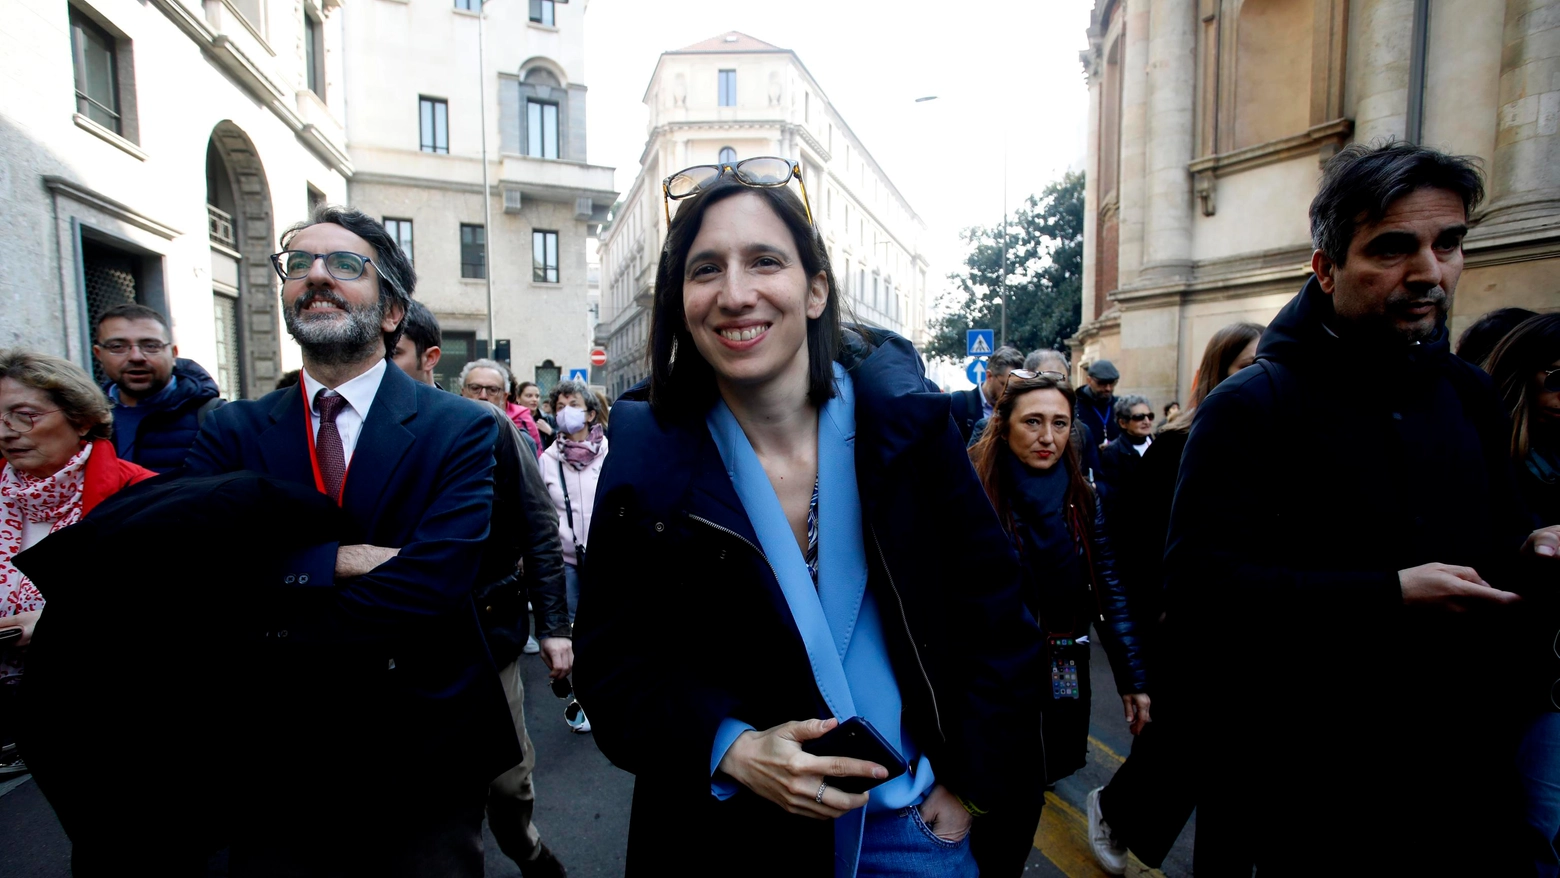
pixel 116 209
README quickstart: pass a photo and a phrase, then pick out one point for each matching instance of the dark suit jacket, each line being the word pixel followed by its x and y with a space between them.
pixel 967 409
pixel 392 694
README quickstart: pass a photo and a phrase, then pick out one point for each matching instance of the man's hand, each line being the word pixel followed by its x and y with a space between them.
pixel 361 559
pixel 1451 588
pixel 772 764
pixel 558 653
pixel 543 427
pixel 944 816
pixel 1544 542
pixel 24 621
pixel 1136 705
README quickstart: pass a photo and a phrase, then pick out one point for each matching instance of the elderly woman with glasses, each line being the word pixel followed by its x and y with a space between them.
pixel 774 498
pixel 1029 462
pixel 488 381
pixel 59 464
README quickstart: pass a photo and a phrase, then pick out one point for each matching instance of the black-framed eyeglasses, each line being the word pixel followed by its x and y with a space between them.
pixel 484 390
pixel 23 421
pixel 151 348
pixel 342 264
pixel 1027 375
pixel 760 172
pixel 1552 380
pixel 1141 416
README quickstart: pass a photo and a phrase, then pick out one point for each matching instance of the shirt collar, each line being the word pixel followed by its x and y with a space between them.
pixel 359 392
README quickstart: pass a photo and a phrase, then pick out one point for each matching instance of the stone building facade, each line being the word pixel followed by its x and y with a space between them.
pixel 733 97
pixel 1209 120
pixel 152 151
pixel 415 124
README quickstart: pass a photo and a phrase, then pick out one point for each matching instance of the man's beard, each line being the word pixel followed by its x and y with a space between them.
pixel 335 342
pixel 1419 331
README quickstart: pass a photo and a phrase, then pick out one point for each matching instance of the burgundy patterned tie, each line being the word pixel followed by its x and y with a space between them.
pixel 327 442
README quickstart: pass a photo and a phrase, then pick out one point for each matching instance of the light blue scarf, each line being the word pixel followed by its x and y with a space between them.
pixel 839 621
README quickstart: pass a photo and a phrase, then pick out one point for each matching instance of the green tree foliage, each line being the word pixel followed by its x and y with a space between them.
pixel 1045 276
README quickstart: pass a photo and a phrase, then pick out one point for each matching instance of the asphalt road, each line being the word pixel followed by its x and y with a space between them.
pixel 582 803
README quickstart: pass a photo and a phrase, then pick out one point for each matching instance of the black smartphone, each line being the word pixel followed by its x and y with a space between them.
pixel 855 738
pixel 9 636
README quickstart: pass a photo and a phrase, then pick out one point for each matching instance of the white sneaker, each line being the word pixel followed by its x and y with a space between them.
pixel 531 646
pixel 1110 855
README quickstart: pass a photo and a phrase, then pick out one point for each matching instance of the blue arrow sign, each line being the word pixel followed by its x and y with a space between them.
pixel 579 375
pixel 980 342
pixel 976 371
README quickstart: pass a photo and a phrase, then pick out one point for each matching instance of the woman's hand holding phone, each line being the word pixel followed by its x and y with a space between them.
pixel 772 764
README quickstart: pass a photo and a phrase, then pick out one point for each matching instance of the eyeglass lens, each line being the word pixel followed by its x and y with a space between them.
pixel 150 348
pixel 1141 416
pixel 22 421
pixel 1552 381
pixel 484 389
pixel 342 264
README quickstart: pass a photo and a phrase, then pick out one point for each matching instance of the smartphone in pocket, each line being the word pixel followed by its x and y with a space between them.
pixel 855 738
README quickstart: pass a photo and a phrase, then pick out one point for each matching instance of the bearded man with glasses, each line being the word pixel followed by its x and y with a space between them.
pixel 387 674
pixel 160 399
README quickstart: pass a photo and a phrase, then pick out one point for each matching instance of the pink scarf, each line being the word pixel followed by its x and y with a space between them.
pixel 55 498
pixel 578 455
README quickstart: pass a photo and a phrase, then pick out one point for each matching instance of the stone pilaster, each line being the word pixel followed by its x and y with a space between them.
pixel 1379 54
pixel 1134 141
pixel 1524 182
pixel 1172 86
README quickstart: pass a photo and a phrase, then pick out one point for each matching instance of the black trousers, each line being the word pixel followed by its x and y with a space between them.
pixel 1153 793
pixel 1001 842
pixel 439 839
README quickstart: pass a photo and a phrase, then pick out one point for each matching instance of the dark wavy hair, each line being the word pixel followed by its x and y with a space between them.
pixel 986 454
pixel 681 380
pixel 397 279
pixel 1522 354
pixel 1362 181
pixel 1217 359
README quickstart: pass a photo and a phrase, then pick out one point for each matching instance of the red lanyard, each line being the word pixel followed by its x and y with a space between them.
pixel 314 458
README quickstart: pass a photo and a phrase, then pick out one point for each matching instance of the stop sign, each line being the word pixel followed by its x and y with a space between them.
pixel 598 357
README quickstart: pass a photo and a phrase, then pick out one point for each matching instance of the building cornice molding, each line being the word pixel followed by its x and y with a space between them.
pixel 273 95
pixel 116 209
pixel 1320 140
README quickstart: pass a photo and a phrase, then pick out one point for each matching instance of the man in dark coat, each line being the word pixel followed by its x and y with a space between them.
pixel 1096 402
pixel 1338 589
pixel 160 400
pixel 390 718
pixel 972 406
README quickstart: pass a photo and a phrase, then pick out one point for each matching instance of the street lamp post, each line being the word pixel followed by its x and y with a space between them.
pixel 487 199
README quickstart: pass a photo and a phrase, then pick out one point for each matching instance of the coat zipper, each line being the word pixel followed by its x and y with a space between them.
pixel 745 541
pixel 936 713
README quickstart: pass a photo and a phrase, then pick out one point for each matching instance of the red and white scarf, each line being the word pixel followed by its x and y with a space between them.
pixel 57 499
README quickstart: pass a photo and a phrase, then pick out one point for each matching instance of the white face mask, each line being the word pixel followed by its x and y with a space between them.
pixel 571 419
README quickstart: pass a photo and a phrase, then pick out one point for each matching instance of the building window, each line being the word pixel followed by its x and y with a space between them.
pixel 435 118
pixel 473 250
pixel 401 232
pixel 541 129
pixel 469 5
pixel 230 376
pixel 542 12
pixel 97 72
pixel 314 54
pixel 316 198
pixel 544 257
pixel 728 88
pixel 727 155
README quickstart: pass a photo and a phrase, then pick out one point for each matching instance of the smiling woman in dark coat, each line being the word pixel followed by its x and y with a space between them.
pixel 782 487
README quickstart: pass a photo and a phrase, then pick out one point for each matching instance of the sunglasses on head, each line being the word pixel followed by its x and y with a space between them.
pixel 1026 375
pixel 762 172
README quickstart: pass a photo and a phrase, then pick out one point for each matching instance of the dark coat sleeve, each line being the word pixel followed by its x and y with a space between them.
pixel 1123 645
pixel 543 554
pixel 1214 556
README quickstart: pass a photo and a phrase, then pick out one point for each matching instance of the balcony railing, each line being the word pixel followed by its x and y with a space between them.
pixel 220 226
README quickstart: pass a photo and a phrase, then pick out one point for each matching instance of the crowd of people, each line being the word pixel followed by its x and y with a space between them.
pixel 1357 605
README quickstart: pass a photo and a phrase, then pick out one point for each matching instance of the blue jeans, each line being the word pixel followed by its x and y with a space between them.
pixel 571 588
pixel 1538 764
pixel 898 844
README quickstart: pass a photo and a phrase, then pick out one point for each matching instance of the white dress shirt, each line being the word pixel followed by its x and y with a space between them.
pixel 359 392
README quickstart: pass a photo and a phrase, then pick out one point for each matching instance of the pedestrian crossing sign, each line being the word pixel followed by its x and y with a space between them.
pixel 579 375
pixel 980 342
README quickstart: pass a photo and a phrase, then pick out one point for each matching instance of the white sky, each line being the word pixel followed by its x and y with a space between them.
pixel 995 65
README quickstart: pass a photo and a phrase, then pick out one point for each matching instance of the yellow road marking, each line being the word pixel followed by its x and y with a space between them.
pixel 1063 837
pixel 1105 751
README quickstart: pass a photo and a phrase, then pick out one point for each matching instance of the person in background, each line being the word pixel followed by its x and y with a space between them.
pixel 605 409
pixel 1096 405
pixel 1480 338
pixel 529 394
pixel 571 467
pixel 974 405
pixel 782 477
pixel 487 381
pixel 1032 472
pixel 420 347
pixel 1122 457
pixel 288 379
pixel 160 399
pixel 1151 796
pixel 1525 367
pixel 59 464
pixel 1172 409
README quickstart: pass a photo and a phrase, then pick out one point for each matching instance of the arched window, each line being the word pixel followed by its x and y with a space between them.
pixel 541 76
pixel 727 155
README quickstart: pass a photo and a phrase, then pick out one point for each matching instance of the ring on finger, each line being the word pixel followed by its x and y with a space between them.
pixel 821 788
